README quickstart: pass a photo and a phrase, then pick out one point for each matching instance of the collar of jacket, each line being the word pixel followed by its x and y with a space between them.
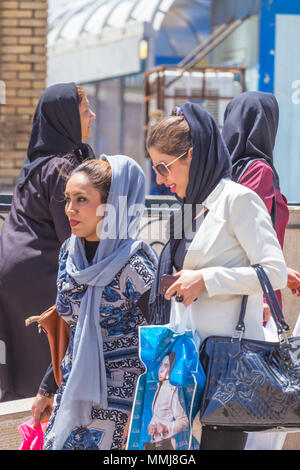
pixel 212 198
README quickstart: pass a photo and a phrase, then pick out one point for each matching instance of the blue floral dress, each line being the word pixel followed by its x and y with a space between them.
pixel 119 317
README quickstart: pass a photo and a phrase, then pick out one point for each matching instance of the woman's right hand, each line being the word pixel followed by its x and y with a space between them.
pixel 152 429
pixel 41 408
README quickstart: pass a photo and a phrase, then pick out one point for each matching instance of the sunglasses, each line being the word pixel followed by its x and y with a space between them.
pixel 162 168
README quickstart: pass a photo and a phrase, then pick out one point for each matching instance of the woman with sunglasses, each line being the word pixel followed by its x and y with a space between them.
pixel 222 229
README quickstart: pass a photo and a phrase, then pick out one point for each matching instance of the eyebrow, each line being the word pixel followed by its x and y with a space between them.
pixel 76 194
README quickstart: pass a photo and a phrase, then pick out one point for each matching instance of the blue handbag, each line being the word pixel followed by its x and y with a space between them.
pixel 168 394
pixel 252 385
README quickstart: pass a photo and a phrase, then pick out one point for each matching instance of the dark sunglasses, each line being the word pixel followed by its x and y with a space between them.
pixel 162 168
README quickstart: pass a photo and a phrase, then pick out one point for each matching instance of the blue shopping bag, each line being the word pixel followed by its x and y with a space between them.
pixel 168 394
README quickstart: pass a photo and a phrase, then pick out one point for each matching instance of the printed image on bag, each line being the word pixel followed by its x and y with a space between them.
pixel 168 394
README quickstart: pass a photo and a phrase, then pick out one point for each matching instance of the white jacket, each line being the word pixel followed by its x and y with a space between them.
pixel 167 410
pixel 236 233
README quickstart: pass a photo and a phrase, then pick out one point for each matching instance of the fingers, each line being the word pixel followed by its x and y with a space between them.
pixel 176 289
pixel 296 291
pixel 41 409
pixel 172 291
pixel 293 281
pixel 36 414
pixel 45 415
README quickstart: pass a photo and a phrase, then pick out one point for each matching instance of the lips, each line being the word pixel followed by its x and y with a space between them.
pixel 172 187
pixel 73 223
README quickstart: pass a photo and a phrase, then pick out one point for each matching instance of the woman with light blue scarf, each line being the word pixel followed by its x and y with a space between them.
pixel 100 286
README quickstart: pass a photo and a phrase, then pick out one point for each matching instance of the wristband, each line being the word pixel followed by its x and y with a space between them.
pixel 44 393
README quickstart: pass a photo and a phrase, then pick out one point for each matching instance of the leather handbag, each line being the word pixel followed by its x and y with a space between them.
pixel 252 385
pixel 58 335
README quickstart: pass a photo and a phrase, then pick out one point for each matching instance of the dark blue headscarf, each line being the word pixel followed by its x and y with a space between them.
pixel 250 127
pixel 211 159
pixel 56 129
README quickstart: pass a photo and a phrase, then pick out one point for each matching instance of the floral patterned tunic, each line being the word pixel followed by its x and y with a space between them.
pixel 119 317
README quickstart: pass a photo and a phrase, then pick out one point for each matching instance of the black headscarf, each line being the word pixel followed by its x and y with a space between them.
pixel 56 129
pixel 250 127
pixel 211 159
pixel 210 163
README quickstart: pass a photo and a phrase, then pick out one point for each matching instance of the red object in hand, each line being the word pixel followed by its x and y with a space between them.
pixel 33 437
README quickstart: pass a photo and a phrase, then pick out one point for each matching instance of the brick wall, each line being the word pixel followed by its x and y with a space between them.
pixel 11 438
pixel 12 414
pixel 23 39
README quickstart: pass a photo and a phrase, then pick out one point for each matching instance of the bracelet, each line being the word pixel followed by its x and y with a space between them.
pixel 44 393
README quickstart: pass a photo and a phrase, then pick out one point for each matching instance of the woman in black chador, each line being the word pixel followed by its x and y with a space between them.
pixel 34 231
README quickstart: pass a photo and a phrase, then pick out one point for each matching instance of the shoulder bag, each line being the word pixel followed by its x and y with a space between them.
pixel 252 385
pixel 58 333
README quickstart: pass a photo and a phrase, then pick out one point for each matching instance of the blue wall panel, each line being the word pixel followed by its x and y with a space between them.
pixel 269 9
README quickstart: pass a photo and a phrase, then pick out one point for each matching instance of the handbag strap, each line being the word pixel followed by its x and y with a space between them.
pixel 270 296
pixel 274 300
pixel 271 299
pixel 240 327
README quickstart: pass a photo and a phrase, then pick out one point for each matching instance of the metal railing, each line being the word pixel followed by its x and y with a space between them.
pixel 152 226
pixel 157 208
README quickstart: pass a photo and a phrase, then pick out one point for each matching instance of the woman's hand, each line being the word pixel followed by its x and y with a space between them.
pixel 293 282
pixel 189 285
pixel 162 429
pixel 41 408
pixel 152 429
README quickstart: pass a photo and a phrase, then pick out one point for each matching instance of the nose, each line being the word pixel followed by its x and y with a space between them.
pixel 160 179
pixel 70 209
pixel 92 115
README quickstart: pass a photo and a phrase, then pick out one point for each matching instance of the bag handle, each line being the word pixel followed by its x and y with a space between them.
pixel 270 296
pixel 269 293
pixel 181 326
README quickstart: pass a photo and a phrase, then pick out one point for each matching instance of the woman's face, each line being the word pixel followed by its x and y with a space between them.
pixel 82 203
pixel 86 118
pixel 164 370
pixel 178 175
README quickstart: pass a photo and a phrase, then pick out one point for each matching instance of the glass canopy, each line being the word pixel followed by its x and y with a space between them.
pixel 176 25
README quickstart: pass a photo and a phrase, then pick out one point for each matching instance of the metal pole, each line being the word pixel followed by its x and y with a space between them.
pixel 202 46
pixel 214 44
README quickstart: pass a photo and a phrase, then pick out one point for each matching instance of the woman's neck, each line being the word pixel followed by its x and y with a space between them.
pixel 90 249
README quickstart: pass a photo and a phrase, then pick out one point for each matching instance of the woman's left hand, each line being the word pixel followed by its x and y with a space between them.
pixel 189 285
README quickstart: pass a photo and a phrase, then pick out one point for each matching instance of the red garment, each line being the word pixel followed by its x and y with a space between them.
pixel 259 178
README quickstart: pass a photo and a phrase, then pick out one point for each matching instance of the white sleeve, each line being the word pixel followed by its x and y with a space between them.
pixel 252 226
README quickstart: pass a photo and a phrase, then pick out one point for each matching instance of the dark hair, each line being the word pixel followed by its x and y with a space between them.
pixel 81 93
pixel 171 135
pixel 99 173
pixel 172 357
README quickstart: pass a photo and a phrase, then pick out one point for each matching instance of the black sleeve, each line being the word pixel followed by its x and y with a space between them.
pixel 48 382
pixel 143 304
pixel 57 206
pixel 53 180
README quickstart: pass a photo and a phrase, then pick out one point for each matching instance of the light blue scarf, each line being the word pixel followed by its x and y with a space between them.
pixel 86 385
